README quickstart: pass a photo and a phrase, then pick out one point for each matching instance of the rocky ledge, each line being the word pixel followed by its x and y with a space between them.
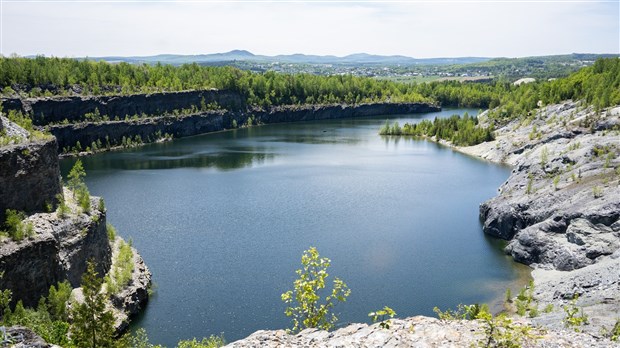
pixel 134 296
pixel 413 332
pixel 560 208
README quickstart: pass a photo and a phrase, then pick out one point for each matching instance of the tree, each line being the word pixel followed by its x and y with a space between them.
pixel 304 301
pixel 78 186
pixel 76 176
pixel 93 325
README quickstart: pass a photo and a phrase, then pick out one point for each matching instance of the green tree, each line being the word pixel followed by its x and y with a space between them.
pixel 78 186
pixel 305 306
pixel 57 300
pixel 93 325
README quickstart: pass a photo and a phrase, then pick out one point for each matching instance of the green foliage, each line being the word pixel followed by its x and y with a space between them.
pixel 262 89
pixel 101 206
pixel 597 192
pixel 530 183
pixel 461 131
pixel 383 316
pixel 139 339
pixel 575 317
pixel 49 319
pixel 15 226
pixel 122 270
pixel 525 303
pixel 76 176
pixel 501 331
pixel 78 186
pixel 508 296
pixel 57 301
pixel 462 312
pixel 544 156
pixel 62 210
pixel 305 305
pixel 615 332
pixel 548 308
pixel 93 324
pixel 111 231
pixel 6 296
pixel 210 342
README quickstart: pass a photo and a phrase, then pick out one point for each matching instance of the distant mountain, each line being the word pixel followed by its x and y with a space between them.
pixel 242 55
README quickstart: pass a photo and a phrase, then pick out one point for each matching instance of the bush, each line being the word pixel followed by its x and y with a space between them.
pixel 62 209
pixel 304 301
pixel 210 342
pixel 16 228
pixel 122 270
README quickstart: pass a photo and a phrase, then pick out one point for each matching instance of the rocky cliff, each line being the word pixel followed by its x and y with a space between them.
pixel 58 251
pixel 59 245
pixel 151 128
pixel 560 207
pixel 75 109
pixel 29 176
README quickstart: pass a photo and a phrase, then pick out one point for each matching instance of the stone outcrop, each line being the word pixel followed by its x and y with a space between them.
pixel 22 337
pixel 29 176
pixel 186 125
pixel 560 207
pixel 596 288
pixel 13 130
pixel 134 296
pixel 74 109
pixel 60 246
pixel 412 332
pixel 58 251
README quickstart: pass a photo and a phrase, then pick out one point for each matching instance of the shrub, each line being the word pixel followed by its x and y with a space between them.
pixel 381 315
pixel 17 229
pixel 62 209
pixel 304 301
pixel 574 319
pixel 111 231
pixel 122 270
pixel 210 342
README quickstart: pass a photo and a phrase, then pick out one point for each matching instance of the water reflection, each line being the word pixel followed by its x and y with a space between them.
pixel 220 160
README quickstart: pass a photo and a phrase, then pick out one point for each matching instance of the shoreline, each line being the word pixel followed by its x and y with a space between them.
pixel 569 266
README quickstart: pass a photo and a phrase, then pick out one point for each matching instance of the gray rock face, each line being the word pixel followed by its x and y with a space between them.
pixel 74 109
pixel 563 197
pixel 596 286
pixel 410 332
pixel 29 176
pixel 11 129
pixel 187 125
pixel 133 297
pixel 58 251
pixel 23 337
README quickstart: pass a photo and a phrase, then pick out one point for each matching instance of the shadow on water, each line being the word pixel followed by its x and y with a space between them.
pixel 229 159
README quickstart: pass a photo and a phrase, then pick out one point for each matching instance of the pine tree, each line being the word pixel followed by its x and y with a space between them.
pixel 93 325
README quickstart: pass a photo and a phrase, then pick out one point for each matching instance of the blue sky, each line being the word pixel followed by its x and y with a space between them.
pixel 413 28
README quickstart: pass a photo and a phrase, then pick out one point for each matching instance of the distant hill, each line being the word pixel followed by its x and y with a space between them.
pixel 242 55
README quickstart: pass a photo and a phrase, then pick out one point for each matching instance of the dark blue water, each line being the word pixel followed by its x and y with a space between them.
pixel 222 220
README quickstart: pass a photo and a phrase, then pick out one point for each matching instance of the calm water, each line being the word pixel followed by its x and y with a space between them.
pixel 222 220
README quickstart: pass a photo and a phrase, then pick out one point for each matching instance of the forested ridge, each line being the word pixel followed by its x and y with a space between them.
pixel 598 85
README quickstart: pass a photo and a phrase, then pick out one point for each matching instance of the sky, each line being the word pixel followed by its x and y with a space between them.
pixel 420 29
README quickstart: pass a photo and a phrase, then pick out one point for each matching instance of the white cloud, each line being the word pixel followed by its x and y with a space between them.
pixel 414 29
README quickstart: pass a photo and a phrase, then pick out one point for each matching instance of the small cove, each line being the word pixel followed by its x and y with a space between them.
pixel 222 219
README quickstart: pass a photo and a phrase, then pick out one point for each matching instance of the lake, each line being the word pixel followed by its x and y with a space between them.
pixel 222 220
